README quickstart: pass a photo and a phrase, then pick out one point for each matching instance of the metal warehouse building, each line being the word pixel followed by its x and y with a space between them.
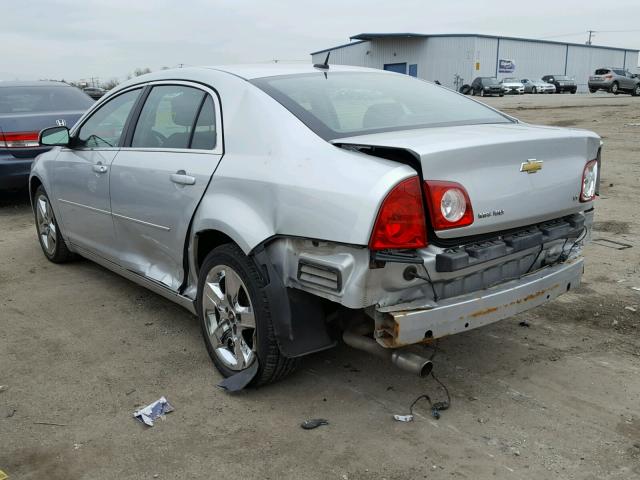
pixel 455 59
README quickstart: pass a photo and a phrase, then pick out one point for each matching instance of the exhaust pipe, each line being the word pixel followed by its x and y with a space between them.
pixel 409 361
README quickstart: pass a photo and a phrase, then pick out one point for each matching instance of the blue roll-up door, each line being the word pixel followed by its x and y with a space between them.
pixel 413 69
pixel 396 67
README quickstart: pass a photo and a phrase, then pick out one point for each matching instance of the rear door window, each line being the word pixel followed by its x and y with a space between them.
pixel 168 116
pixel 204 134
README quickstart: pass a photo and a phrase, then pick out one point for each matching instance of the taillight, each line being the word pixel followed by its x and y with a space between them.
pixel 589 181
pixel 19 139
pixel 449 204
pixel 401 220
pixel 608 77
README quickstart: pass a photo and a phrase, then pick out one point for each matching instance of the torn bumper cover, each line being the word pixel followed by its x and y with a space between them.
pixel 398 327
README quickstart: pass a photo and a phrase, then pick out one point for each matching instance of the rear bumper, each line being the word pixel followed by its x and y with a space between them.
pixel 14 172
pixel 474 310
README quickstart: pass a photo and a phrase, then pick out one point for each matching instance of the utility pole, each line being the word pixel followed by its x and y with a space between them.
pixel 591 32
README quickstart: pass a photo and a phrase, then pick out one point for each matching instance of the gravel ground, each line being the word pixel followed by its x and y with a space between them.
pixel 81 348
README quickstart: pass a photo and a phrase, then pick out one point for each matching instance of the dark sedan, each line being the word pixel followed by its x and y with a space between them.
pixel 25 109
pixel 563 83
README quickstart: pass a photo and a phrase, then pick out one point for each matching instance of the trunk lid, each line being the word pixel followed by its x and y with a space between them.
pixel 32 122
pixel 491 162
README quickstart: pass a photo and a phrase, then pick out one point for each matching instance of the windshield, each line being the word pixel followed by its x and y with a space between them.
pixel 510 80
pixel 342 104
pixel 489 81
pixel 42 99
pixel 563 77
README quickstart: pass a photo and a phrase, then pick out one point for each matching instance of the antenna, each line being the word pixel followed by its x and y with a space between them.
pixel 325 65
pixel 591 32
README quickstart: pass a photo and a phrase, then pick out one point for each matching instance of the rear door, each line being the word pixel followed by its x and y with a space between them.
pixel 158 179
pixel 81 175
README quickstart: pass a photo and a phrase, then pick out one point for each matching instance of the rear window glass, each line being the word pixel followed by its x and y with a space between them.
pixel 42 99
pixel 563 77
pixel 341 104
pixel 602 71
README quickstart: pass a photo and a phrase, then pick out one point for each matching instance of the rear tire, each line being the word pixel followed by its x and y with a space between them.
pixel 615 88
pixel 235 317
pixel 593 90
pixel 482 92
pixel 636 90
pixel 49 234
pixel 534 90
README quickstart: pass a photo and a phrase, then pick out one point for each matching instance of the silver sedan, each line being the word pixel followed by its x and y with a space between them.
pixel 290 205
pixel 537 86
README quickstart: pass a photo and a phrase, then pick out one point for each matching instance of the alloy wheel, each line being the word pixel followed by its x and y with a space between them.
pixel 229 318
pixel 46 225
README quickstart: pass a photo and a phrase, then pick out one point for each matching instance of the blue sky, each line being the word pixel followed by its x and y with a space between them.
pixel 106 39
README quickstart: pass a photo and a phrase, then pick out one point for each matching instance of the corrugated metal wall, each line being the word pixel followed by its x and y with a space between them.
pixel 442 58
pixel 532 59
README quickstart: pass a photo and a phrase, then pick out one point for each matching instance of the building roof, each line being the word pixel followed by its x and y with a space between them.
pixel 364 37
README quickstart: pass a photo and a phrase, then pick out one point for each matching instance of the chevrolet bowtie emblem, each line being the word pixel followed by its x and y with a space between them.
pixel 531 166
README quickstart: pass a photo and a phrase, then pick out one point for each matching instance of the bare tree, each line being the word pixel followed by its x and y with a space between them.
pixel 139 71
pixel 109 84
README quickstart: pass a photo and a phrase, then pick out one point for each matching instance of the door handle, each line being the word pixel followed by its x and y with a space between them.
pixel 100 168
pixel 181 178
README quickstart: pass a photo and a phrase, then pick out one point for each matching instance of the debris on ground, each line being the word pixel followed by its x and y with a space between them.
pixel 524 323
pixel 153 411
pixel 313 423
pixel 631 309
pixel 3 476
pixel 403 418
pixel 3 388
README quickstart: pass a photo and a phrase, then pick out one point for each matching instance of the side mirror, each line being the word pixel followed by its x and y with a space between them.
pixel 54 137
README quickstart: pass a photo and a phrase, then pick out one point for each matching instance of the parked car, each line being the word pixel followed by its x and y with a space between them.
pixel 253 197
pixel 512 86
pixel 614 80
pixel 563 83
pixel 537 86
pixel 486 86
pixel 25 109
pixel 94 92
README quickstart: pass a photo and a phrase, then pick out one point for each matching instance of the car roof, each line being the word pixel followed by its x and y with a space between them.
pixel 259 70
pixel 39 83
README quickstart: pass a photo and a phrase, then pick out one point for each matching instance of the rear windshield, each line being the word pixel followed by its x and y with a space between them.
pixel 602 71
pixel 42 99
pixel 563 77
pixel 342 104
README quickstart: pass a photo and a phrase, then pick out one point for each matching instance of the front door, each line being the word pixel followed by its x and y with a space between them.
pixel 81 176
pixel 158 180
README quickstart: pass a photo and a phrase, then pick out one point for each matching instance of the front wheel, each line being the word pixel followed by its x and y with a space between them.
pixel 636 90
pixel 482 92
pixel 49 234
pixel 593 90
pixel 235 317
pixel 534 90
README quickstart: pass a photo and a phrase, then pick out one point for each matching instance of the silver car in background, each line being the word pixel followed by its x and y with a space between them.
pixel 288 206
pixel 512 86
pixel 537 86
pixel 614 80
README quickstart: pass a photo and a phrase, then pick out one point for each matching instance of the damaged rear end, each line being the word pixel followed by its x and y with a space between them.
pixel 492 224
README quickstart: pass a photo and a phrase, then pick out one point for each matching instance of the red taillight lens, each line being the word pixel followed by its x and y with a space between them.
pixel 19 139
pixel 449 204
pixel 608 77
pixel 401 220
pixel 589 181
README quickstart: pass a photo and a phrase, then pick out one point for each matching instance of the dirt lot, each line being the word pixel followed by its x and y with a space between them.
pixel 81 348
